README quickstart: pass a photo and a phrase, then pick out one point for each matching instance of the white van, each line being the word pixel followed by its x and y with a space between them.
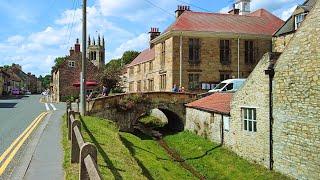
pixel 228 85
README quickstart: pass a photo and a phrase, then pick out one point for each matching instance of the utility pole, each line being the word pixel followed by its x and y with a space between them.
pixel 84 59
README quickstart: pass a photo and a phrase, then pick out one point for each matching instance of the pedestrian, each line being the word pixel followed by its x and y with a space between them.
pixel 104 91
pixel 181 89
pixel 175 88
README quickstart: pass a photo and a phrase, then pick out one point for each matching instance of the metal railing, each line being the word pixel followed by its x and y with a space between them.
pixel 81 152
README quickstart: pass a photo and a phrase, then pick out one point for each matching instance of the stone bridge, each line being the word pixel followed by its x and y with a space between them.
pixel 126 109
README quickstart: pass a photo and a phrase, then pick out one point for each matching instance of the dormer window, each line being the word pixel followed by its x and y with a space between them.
pixel 71 64
pixel 298 20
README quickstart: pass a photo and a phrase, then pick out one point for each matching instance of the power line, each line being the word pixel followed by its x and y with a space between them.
pixel 198 7
pixel 71 25
pixel 169 13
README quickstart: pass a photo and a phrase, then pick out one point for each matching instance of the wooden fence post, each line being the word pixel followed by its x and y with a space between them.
pixel 71 113
pixel 87 149
pixel 75 148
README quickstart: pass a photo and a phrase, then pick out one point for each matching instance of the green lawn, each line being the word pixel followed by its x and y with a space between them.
pixel 114 159
pixel 216 162
pixel 154 161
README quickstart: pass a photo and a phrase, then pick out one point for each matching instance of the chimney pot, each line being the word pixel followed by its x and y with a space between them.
pixel 77 46
pixel 181 9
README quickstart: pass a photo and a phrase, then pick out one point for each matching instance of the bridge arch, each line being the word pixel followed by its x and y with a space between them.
pixel 119 108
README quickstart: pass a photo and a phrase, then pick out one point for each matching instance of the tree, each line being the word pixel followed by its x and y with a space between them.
pixel 110 76
pixel 58 61
pixel 45 81
pixel 128 57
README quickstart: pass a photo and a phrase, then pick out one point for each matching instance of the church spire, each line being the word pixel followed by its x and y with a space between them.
pixel 89 41
pixel 99 40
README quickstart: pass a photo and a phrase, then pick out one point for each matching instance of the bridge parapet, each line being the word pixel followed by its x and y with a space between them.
pixel 125 109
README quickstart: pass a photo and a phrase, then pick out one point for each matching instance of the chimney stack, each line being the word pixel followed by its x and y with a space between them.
pixel 181 9
pixel 71 51
pixel 154 33
pixel 77 47
pixel 234 10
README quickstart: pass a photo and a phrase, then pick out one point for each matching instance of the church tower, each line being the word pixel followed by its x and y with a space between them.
pixel 243 6
pixel 96 51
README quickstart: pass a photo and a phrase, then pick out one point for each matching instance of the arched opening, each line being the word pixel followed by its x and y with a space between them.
pixel 175 123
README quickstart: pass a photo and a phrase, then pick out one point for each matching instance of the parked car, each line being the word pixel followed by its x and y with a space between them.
pixel 28 93
pixel 15 91
pixel 228 85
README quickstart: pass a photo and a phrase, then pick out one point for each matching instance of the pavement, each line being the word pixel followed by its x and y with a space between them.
pixel 41 154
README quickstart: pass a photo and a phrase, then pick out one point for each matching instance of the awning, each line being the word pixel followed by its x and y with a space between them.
pixel 88 83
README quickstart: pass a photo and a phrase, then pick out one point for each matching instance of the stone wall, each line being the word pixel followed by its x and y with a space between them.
pixel 205 124
pixel 279 43
pixel 254 146
pixel 297 102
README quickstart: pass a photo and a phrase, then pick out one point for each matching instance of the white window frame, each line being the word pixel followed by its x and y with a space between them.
pixel 71 64
pixel 249 119
pixel 298 19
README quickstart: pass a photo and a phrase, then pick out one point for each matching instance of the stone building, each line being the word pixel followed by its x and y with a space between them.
pixel 285 33
pixel 4 76
pixel 66 77
pixel 210 117
pixel 201 49
pixel 249 126
pixel 96 51
pixel 275 116
pixel 296 102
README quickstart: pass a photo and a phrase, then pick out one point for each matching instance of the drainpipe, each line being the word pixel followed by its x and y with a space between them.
pixel 222 131
pixel 270 72
pixel 180 81
pixel 239 57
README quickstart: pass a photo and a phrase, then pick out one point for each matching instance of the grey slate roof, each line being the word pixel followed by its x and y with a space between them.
pixel 289 26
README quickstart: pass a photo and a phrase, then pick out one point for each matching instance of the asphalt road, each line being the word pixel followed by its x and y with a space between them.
pixel 16 114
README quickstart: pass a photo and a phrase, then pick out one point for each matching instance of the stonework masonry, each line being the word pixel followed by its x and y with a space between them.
pixel 209 69
pixel 253 94
pixel 279 43
pixel 205 124
pixel 297 102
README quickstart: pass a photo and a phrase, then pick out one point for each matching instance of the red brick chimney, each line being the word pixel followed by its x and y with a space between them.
pixel 77 47
pixel 154 33
pixel 181 9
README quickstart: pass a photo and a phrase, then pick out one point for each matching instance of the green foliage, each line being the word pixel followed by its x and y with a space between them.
pixel 216 162
pixel 130 101
pixel 58 61
pixel 110 76
pixel 45 81
pixel 152 121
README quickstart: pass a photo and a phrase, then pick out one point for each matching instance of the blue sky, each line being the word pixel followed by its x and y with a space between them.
pixel 34 32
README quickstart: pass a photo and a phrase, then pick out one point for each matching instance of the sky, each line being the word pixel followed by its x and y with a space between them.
pixel 34 32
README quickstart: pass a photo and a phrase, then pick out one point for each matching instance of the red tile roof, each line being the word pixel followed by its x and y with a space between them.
pixel 217 102
pixel 144 56
pixel 260 22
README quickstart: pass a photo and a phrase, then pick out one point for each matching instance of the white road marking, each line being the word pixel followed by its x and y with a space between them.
pixel 47 107
pixel 53 107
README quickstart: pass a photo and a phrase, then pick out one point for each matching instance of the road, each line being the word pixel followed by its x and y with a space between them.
pixel 15 116
pixel 29 131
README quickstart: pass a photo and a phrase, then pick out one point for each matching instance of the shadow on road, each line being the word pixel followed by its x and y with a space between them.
pixel 13 97
pixel 7 105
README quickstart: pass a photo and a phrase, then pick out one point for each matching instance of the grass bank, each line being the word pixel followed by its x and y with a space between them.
pixel 114 159
pixel 216 162
pixel 152 158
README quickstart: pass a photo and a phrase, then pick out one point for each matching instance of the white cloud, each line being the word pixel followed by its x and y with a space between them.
pixel 138 43
pixel 15 39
